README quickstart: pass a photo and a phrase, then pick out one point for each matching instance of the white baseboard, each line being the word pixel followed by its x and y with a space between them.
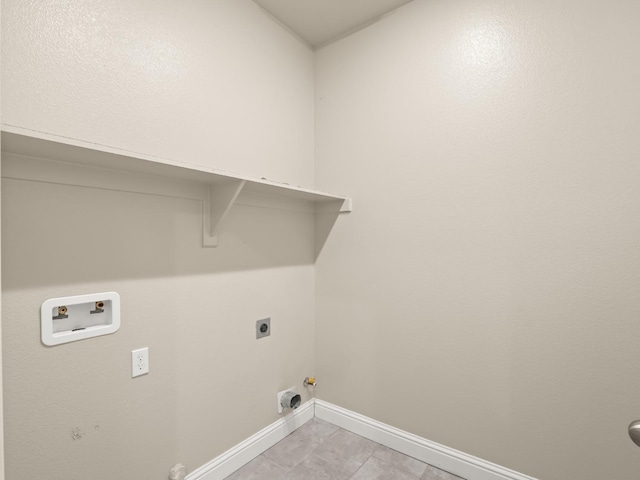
pixel 233 459
pixel 440 456
pixel 445 458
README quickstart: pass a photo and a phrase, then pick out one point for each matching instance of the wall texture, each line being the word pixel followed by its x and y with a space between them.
pixel 484 293
pixel 210 82
pixel 216 83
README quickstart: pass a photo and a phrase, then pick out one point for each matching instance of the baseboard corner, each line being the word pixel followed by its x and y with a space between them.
pixel 233 459
pixel 440 456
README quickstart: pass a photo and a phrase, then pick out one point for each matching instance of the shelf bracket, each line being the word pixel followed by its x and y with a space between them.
pixel 346 206
pixel 49 158
pixel 216 207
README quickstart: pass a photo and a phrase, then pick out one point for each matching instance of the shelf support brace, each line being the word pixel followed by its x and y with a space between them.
pixel 216 207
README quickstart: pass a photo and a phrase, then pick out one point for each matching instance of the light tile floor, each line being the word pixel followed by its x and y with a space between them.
pixel 321 451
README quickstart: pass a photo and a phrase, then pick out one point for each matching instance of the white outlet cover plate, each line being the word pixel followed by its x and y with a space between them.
pixel 139 362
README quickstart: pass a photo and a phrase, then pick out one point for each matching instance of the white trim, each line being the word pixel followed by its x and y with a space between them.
pixel 440 456
pixel 20 167
pixel 32 143
pixel 238 456
pixel 69 153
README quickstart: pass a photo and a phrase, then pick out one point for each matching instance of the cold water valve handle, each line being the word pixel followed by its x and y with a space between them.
pixel 634 432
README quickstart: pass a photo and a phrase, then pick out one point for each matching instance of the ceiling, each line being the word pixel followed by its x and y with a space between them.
pixel 319 21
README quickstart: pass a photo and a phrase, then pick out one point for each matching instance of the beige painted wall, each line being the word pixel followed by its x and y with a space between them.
pixel 492 154
pixel 484 293
pixel 217 83
pixel 211 82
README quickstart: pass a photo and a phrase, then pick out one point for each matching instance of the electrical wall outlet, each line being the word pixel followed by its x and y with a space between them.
pixel 282 394
pixel 263 328
pixel 139 362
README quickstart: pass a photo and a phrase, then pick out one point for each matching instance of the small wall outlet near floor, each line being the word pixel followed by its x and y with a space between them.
pixel 139 362
pixel 288 399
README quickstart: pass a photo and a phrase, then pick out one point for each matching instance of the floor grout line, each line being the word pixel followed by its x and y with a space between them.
pixel 362 465
pixel 319 433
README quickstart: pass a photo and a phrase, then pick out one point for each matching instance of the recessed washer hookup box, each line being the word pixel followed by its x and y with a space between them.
pixel 67 319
